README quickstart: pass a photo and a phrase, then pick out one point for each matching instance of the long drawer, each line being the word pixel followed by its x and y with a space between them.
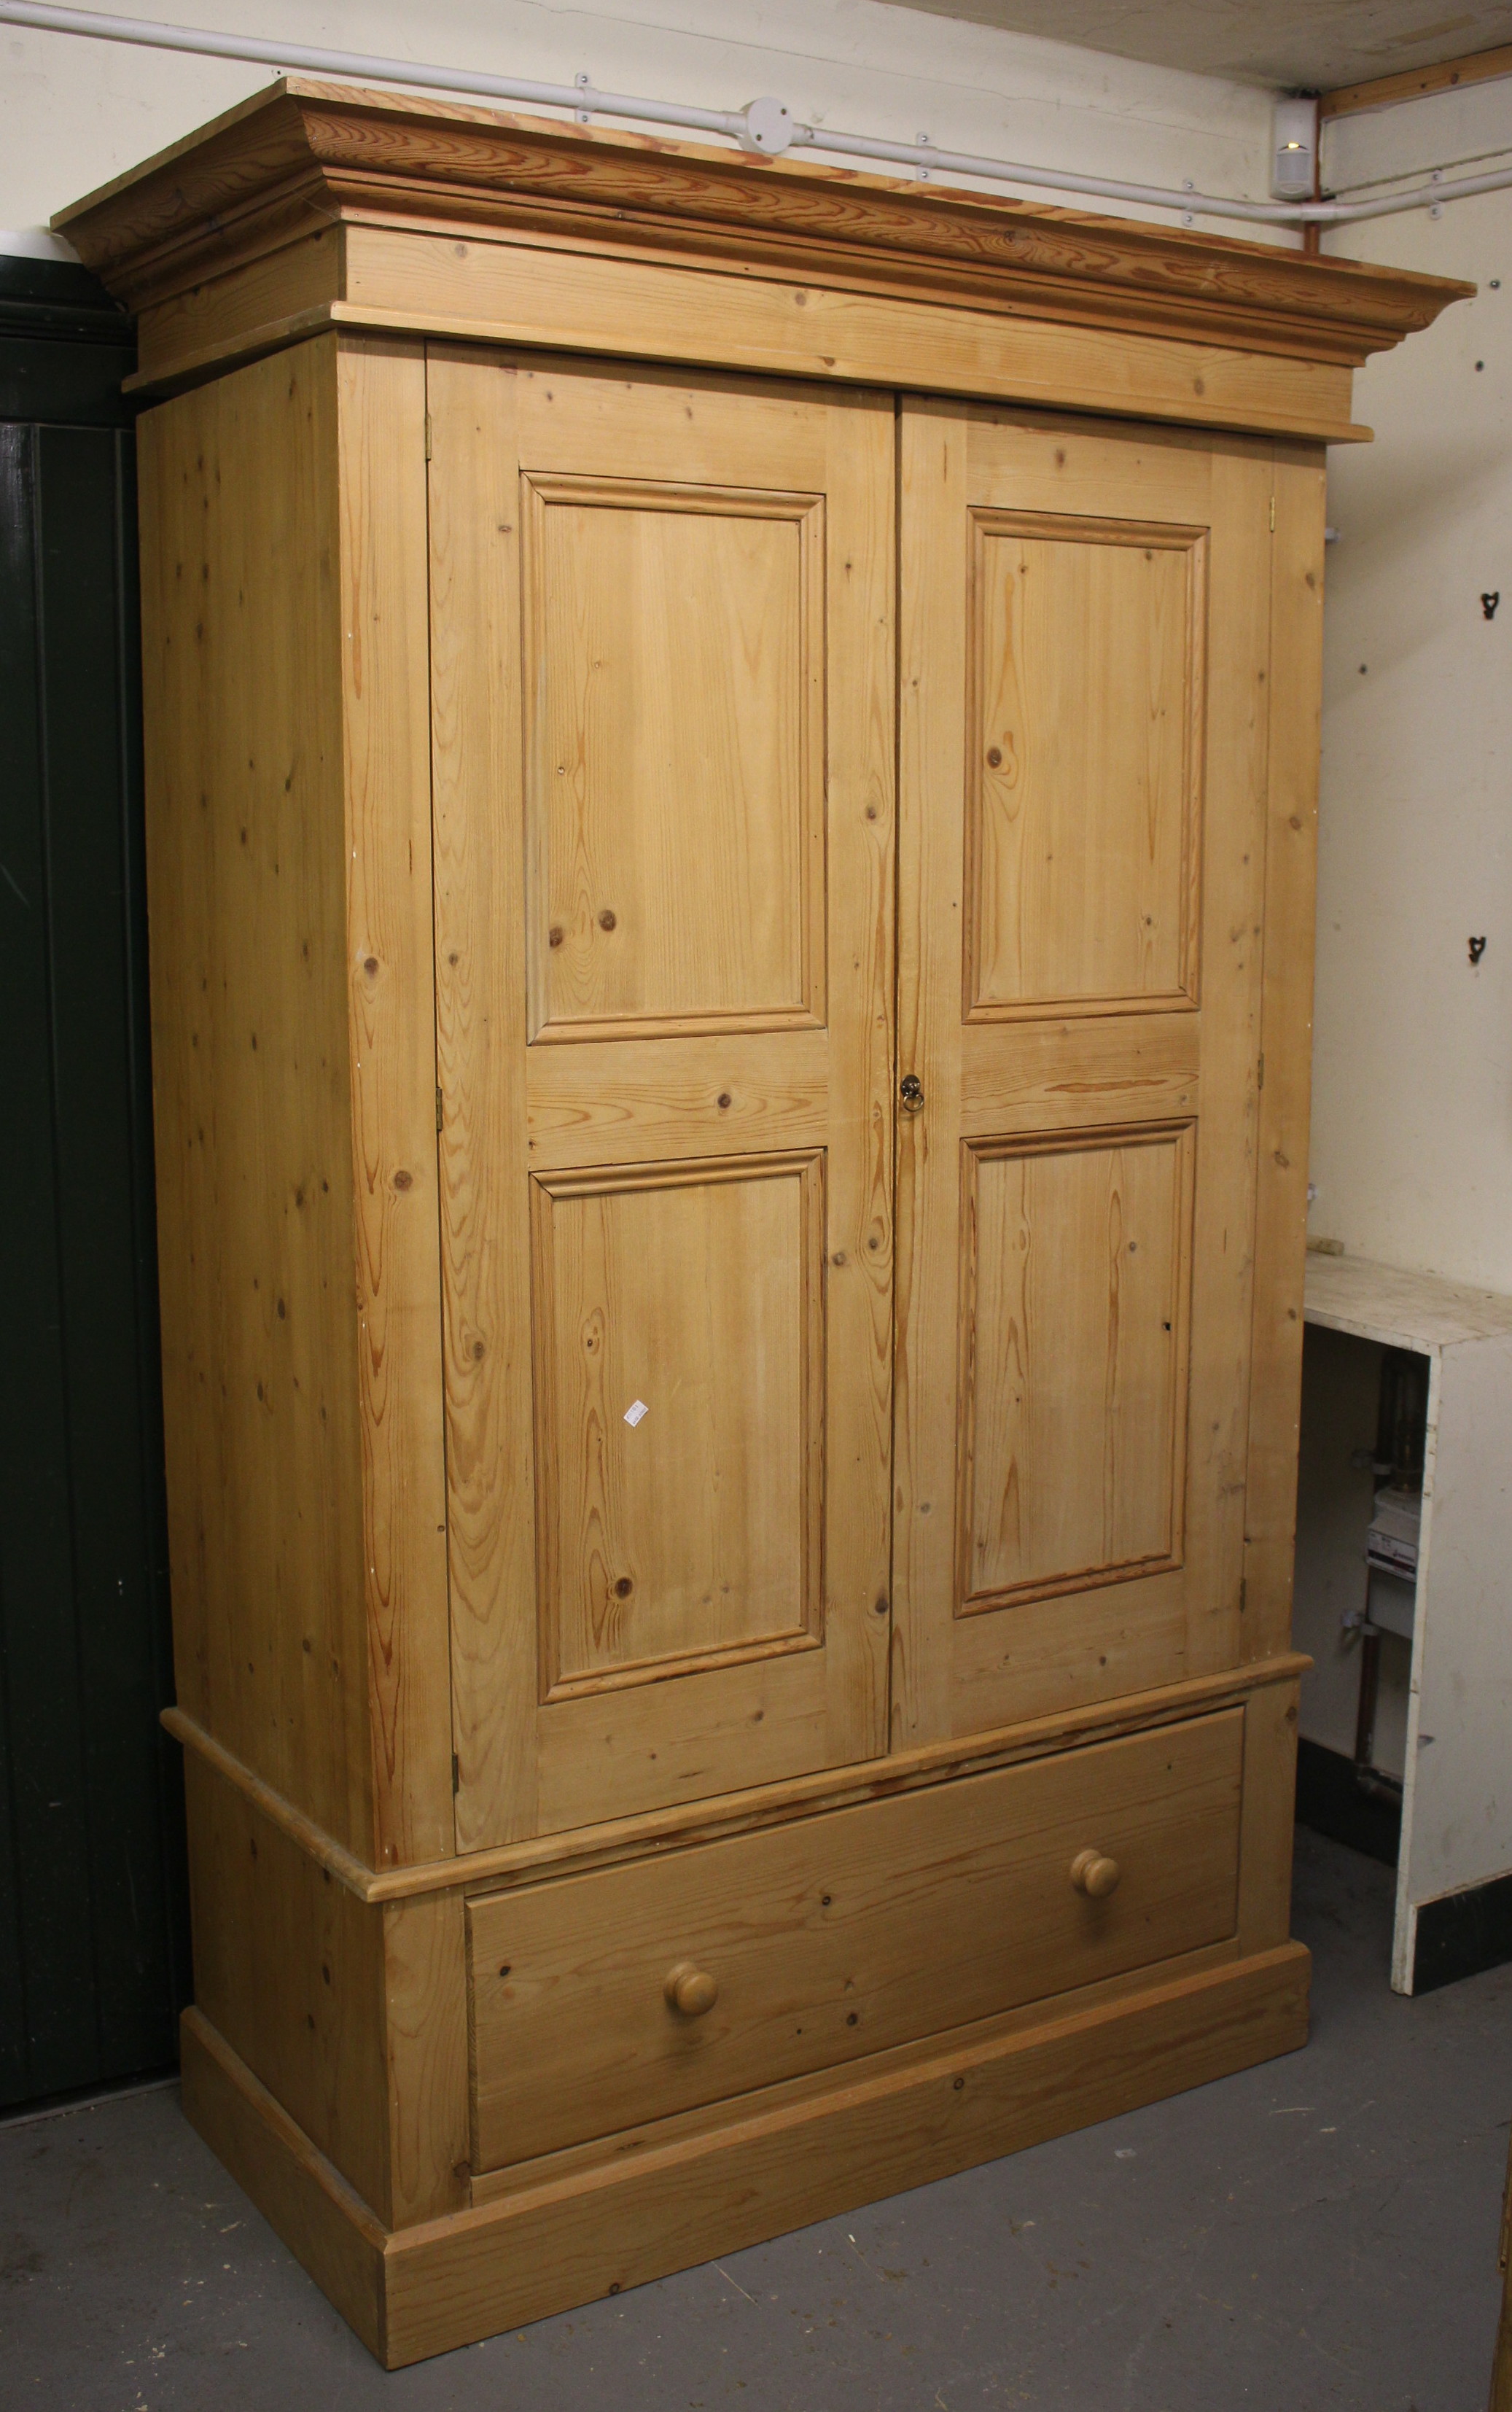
pixel 602 2000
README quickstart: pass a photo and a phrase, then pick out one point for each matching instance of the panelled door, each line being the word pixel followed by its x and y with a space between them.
pixel 663 695
pixel 1083 658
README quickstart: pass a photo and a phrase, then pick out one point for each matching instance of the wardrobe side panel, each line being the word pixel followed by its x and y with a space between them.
pixel 1287 1047
pixel 247 911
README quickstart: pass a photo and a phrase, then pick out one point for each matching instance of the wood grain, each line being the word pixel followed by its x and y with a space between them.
pixel 322 1848
pixel 609 1842
pixel 288 1968
pixel 757 2172
pixel 1285 1049
pixel 626 1749
pixel 326 149
pixel 209 320
pixel 247 859
pixel 1130 1637
pixel 329 2229
pixel 1085 718
pixel 481 1088
pixel 244 341
pixel 1076 1274
pixel 687 1297
pixel 609 449
pixel 673 673
pixel 429 2137
pixel 825 328
pixel 1417 84
pixel 618 1102
pixel 1233 914
pixel 862 871
pixel 932 531
pixel 828 333
pixel 567 838
pixel 815 1937
pixel 1031 1076
pixel 1270 1801
pixel 686 2127
pixel 380 595
pixel 962 472
pixel 352 2014
pixel 553 2241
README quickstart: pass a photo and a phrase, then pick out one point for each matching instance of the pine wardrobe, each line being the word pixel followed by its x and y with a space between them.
pixel 730 767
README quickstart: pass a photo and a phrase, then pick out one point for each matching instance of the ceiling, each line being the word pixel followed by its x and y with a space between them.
pixel 1309 44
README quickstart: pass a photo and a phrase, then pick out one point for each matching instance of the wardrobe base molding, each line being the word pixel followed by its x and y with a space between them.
pixel 618 2219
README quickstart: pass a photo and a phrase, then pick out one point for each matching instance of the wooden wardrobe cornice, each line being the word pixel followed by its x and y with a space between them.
pixel 304 155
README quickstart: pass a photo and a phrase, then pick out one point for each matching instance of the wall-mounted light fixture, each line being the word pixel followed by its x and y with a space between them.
pixel 1294 149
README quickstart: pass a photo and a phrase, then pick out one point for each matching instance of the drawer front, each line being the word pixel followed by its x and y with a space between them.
pixel 602 2000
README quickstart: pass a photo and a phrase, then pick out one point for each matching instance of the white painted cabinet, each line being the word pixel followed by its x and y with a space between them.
pixel 1447 1722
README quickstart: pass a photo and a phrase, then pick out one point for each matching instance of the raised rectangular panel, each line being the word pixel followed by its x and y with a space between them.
pixel 1076 1263
pixel 1084 716
pixel 678 1450
pixel 673 677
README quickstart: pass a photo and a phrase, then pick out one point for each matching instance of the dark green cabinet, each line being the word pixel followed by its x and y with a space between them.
pixel 91 1957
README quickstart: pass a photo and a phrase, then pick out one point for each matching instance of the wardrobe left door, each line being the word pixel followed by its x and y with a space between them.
pixel 662 664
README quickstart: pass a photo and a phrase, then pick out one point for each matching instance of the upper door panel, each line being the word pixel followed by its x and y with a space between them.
pixel 1084 709
pixel 662 681
pixel 674 681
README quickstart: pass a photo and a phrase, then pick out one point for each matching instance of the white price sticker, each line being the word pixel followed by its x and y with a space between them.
pixel 636 1410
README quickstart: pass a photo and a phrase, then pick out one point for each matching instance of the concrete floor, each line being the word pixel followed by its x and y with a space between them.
pixel 1320 2232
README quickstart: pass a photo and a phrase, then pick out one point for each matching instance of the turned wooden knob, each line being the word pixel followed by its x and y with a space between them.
pixel 1094 1875
pixel 693 1990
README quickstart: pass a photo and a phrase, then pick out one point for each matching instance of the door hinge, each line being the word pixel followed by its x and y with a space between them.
pixel 428 455
pixel 1244 1595
pixel 1259 1082
pixel 1272 498
pixel 456 1773
pixel 438 1111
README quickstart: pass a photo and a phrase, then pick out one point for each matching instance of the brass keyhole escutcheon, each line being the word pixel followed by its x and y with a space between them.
pixel 1095 1874
pixel 911 1093
pixel 690 1989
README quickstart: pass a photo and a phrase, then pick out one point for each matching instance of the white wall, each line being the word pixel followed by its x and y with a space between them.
pixel 1412 1128
pixel 74 113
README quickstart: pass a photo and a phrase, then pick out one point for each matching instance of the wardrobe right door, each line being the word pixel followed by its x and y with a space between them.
pixel 1085 629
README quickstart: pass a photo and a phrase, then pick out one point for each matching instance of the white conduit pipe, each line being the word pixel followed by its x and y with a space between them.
pixel 763 127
